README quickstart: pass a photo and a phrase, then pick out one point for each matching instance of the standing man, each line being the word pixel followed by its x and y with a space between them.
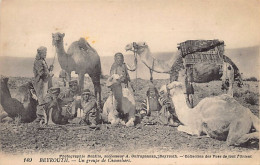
pixel 120 68
pixel 41 78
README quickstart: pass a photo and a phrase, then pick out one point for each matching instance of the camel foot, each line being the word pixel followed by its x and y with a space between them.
pixel 174 124
pixel 51 123
pixel 114 122
pixel 200 137
pixel 7 120
pixel 247 137
pixel 130 123
pixel 187 130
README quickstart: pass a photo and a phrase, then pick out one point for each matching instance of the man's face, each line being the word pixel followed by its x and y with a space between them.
pixel 85 97
pixel 43 54
pixel 119 60
pixel 73 87
pixel 55 95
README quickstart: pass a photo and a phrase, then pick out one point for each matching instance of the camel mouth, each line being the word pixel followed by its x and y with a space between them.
pixel 129 47
pixel 54 42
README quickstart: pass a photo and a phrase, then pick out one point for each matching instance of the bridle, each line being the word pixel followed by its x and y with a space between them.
pixel 138 47
pixel 167 91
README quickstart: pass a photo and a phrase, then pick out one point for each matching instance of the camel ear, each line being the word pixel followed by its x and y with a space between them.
pixel 63 34
pixel 52 34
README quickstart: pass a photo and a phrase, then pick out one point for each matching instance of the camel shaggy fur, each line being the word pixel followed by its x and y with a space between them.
pixel 220 117
pixel 120 105
pixel 24 105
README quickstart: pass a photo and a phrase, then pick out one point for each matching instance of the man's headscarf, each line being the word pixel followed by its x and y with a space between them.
pixel 118 55
pixel 40 50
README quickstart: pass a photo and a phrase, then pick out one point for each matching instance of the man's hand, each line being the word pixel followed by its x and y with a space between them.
pixel 51 68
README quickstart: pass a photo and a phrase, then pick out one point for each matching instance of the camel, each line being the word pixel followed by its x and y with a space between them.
pixel 219 117
pixel 120 105
pixel 82 59
pixel 202 72
pixel 25 104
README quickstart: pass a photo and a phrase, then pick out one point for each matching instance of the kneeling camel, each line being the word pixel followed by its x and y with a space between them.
pixel 120 105
pixel 219 117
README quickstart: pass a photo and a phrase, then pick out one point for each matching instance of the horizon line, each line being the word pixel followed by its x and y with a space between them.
pixel 128 53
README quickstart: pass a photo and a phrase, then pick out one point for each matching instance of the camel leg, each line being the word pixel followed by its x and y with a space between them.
pixel 81 82
pixel 151 75
pixel 230 89
pixel 45 117
pixel 130 122
pixel 247 137
pixel 68 77
pixel 50 122
pixel 188 130
pixel 97 88
pixel 238 129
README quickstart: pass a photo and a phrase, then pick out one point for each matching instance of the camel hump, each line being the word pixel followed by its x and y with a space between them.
pixel 81 46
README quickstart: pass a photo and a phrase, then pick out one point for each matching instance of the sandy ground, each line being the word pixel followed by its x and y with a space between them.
pixel 30 138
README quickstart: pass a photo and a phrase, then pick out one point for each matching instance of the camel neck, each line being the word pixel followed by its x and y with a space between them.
pixel 118 94
pixel 183 112
pixel 6 93
pixel 156 65
pixel 145 54
pixel 60 49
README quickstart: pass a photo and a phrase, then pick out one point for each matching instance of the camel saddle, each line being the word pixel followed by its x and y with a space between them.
pixel 192 46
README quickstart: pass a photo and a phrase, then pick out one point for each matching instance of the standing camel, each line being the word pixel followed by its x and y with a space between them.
pixel 82 59
pixel 202 71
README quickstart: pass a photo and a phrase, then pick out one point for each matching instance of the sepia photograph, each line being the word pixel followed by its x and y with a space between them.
pixel 129 82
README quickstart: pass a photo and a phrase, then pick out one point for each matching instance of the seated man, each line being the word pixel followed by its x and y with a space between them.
pixel 151 102
pixel 53 107
pixel 159 108
pixel 70 100
pixel 89 110
pixel 167 115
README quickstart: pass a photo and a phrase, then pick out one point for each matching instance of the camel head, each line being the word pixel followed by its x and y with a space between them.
pixel 136 46
pixel 113 80
pixel 173 88
pixel 4 87
pixel 57 38
pixel 4 81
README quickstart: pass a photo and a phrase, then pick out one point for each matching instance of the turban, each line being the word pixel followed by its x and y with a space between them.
pixel 41 49
pixel 86 91
pixel 72 82
pixel 119 54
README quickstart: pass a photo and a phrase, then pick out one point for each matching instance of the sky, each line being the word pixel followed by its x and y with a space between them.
pixel 109 25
